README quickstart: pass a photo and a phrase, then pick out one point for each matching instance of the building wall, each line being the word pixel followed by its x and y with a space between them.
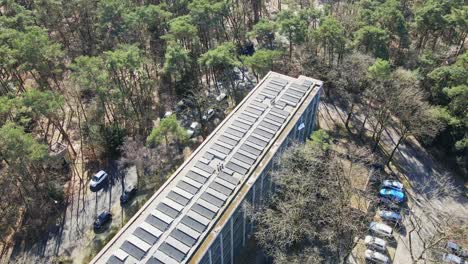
pixel 238 229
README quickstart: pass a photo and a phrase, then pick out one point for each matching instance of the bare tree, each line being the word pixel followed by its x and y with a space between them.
pixel 309 218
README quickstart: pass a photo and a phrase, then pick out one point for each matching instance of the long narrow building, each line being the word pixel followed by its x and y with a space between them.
pixel 198 215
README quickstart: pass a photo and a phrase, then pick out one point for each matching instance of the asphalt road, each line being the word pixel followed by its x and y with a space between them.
pixel 419 169
pixel 76 233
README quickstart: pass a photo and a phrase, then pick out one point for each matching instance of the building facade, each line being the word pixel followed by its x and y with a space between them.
pixel 198 215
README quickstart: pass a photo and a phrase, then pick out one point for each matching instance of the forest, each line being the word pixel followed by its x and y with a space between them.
pixel 94 76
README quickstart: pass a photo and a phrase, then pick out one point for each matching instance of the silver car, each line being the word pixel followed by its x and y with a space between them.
pixel 390 216
pixel 98 178
pixel 381 229
pixel 375 243
pixel 376 257
pixel 392 184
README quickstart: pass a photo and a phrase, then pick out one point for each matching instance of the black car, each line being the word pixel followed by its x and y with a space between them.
pixel 101 220
pixel 128 194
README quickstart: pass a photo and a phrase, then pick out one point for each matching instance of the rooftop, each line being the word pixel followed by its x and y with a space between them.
pixel 170 227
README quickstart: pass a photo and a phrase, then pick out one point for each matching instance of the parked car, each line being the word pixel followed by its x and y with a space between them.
pixel 209 114
pixel 101 220
pixel 167 114
pixel 98 178
pixel 390 216
pixel 375 243
pixel 387 204
pixel 194 129
pixel 393 195
pixel 376 257
pixel 381 229
pixel 221 97
pixel 452 259
pixel 392 184
pixel 128 194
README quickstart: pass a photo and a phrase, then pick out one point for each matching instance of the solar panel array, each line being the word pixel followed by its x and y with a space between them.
pixel 181 218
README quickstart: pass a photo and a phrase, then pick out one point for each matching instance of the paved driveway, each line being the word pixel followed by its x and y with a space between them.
pixel 419 170
pixel 75 234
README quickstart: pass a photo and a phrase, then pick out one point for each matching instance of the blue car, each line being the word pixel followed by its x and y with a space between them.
pixel 393 195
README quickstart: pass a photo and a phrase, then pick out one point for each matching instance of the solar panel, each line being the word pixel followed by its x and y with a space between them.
pixel 242 171
pixel 178 244
pixel 228 178
pixel 132 250
pixel 182 237
pixel 263 133
pixel 218 154
pixel 145 236
pixel 203 211
pixel 251 150
pixel 275 118
pixel 254 111
pixel 280 112
pixel 212 199
pixel 114 260
pixel 208 156
pixel 241 125
pixel 164 258
pixel 294 93
pixel 257 141
pixel 177 198
pixel 228 140
pixel 187 187
pixel 234 132
pixel 220 188
pixel 192 223
pixel 167 210
pixel 221 149
pixel 247 118
pixel 188 231
pixel 244 158
pixel 259 106
pixel 197 177
pixel 183 193
pixel 156 222
pixel 152 260
pixel 204 167
pixel 172 252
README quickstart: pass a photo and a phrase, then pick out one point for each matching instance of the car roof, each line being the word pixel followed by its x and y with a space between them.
pixel 390 213
pixel 381 226
pixel 375 240
pixel 452 257
pixel 100 173
pixel 392 191
pixel 104 214
pixel 453 245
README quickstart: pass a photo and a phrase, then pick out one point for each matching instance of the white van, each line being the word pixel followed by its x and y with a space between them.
pixel 381 229
pixel 376 257
pixel 376 243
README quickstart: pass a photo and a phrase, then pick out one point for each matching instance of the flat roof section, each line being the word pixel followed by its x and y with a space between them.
pixel 172 224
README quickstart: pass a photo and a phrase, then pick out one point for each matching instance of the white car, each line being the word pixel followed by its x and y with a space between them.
pixel 376 257
pixel 209 114
pixel 396 185
pixel 452 259
pixel 194 129
pixel 167 114
pixel 390 216
pixel 375 243
pixel 98 178
pixel 381 229
pixel 221 97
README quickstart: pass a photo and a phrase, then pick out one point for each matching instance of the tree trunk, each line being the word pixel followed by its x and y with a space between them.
pixel 348 118
pixel 402 137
